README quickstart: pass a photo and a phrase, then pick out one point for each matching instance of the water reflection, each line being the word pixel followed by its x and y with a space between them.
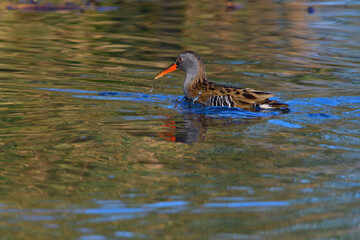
pixel 196 119
pixel 195 122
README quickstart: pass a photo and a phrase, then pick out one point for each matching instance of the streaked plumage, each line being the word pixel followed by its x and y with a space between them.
pixel 199 89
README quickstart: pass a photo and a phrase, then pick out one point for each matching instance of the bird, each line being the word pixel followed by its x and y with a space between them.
pixel 199 89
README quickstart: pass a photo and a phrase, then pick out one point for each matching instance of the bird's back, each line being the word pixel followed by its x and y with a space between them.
pixel 212 94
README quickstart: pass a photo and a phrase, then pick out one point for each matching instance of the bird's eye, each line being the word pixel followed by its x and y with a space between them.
pixel 180 59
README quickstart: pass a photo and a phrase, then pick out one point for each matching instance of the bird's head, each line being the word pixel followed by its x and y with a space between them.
pixel 186 61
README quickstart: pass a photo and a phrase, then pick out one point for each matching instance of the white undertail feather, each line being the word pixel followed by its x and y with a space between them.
pixel 266 106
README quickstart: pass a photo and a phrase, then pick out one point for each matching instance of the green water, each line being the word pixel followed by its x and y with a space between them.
pixel 93 148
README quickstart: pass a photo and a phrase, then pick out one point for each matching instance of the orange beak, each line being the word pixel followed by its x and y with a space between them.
pixel 171 68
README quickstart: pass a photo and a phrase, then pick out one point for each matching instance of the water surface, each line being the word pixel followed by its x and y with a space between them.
pixel 92 147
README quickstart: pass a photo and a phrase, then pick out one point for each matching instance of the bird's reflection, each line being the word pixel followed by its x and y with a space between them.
pixel 193 127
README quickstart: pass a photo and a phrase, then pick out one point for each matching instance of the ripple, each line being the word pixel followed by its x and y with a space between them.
pixel 338 147
pixel 247 204
pixel 124 234
pixel 68 90
pixel 284 124
pixel 93 237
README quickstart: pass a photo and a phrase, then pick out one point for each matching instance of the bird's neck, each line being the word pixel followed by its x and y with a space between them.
pixel 193 77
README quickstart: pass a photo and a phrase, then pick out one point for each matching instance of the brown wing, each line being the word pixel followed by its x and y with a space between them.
pixel 221 95
pixel 251 96
pixel 213 94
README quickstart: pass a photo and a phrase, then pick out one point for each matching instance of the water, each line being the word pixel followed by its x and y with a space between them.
pixel 92 147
